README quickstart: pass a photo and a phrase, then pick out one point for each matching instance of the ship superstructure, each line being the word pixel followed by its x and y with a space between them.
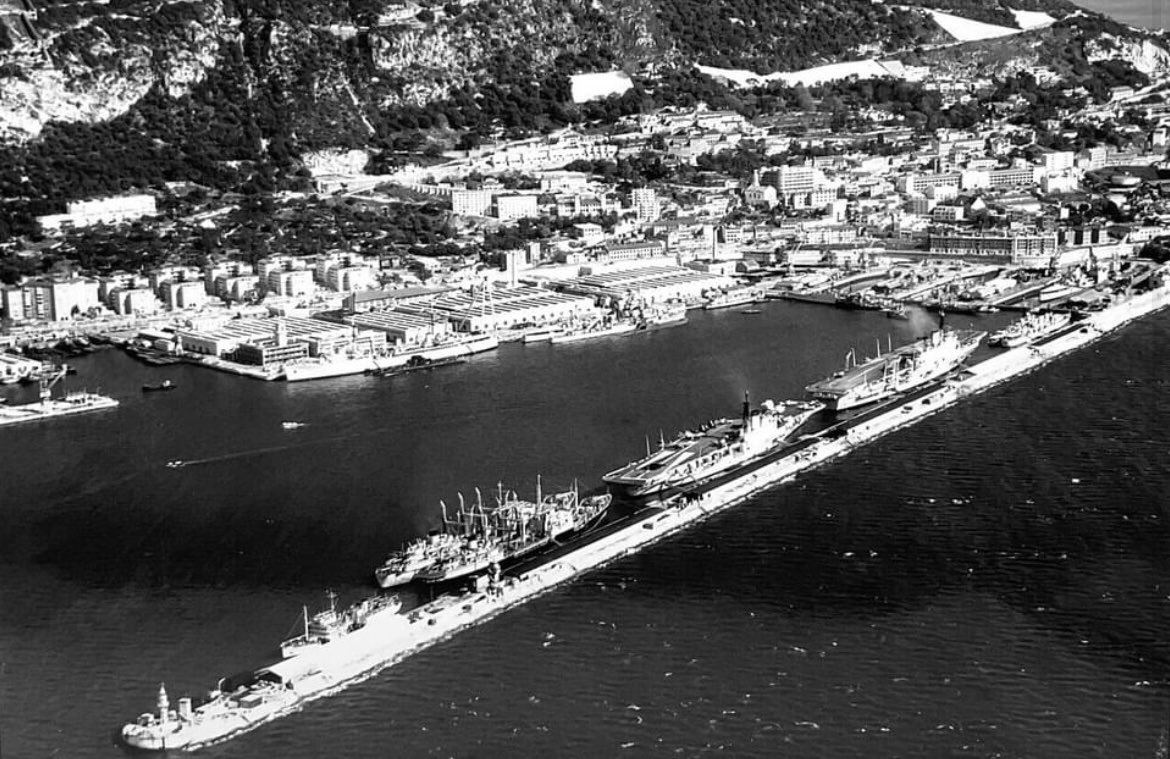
pixel 713 449
pixel 421 553
pixel 897 370
pixel 1029 328
pixel 331 624
pixel 512 528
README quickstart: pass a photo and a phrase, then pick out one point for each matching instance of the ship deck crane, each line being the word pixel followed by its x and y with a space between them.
pixel 48 382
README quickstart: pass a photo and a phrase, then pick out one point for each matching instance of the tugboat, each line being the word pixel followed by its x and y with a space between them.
pixel 160 387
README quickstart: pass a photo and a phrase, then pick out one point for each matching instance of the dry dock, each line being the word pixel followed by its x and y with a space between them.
pixel 363 653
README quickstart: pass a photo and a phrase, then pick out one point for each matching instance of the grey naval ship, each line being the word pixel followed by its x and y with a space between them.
pixel 897 370
pixel 716 448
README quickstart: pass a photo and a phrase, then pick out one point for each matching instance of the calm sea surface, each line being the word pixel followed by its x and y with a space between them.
pixel 1152 14
pixel 991 582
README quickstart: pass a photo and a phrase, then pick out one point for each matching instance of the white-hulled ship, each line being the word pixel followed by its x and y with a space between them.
pixel 896 371
pixel 1029 328
pixel 735 296
pixel 512 529
pixel 331 624
pixel 714 449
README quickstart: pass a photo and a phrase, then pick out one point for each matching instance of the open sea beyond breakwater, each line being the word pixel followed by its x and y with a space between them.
pixel 989 580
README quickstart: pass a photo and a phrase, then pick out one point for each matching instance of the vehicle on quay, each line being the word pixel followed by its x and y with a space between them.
pixel 897 370
pixel 716 448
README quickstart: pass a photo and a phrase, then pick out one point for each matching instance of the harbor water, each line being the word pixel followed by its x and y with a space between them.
pixel 991 581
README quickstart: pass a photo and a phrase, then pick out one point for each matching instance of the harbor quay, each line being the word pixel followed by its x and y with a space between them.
pixel 284 687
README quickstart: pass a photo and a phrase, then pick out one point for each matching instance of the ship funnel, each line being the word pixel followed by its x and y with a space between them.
pixel 747 407
pixel 185 708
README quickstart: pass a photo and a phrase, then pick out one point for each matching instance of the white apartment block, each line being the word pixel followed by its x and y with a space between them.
pixel 349 278
pixel 471 202
pixel 130 302
pixel 645 203
pixel 182 295
pixel 236 287
pixel 512 207
pixel 290 283
pixel 115 210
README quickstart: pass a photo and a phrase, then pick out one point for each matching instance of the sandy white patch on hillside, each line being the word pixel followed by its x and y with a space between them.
pixel 966 30
pixel 586 87
pixel 867 69
pixel 738 77
pixel 1032 19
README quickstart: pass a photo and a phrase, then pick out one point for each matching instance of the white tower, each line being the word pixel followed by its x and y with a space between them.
pixel 164 704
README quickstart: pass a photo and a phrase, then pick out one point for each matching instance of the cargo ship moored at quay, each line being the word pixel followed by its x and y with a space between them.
pixel 286 686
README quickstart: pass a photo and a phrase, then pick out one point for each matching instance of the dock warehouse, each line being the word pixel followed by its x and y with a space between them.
pixel 226 338
pixel 500 308
pixel 653 284
pixel 401 326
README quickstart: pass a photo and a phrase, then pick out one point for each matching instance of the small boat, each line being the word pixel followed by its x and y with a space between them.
pixel 331 624
pixel 415 364
pixel 751 311
pixel 175 464
pixel 292 425
pixel 162 386
pixel 896 312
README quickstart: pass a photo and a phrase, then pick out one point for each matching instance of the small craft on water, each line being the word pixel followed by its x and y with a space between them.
pixel 162 386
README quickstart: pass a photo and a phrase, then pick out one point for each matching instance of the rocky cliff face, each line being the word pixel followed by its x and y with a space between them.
pixel 93 68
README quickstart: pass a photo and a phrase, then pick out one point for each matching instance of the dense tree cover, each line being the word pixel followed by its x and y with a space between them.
pixel 772 35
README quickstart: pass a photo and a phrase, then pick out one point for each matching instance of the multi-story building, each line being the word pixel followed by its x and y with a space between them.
pixel 115 210
pixel 348 278
pixel 290 283
pixel 133 302
pixel 1000 246
pixel 471 202
pixel 511 207
pixel 53 300
pixel 181 295
pixel 631 251
pixel 1015 176
pixel 911 183
pixel 645 203
pixel 213 273
pixel 793 179
pixel 237 287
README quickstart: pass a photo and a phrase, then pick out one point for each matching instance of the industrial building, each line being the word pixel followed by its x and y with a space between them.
pixel 225 339
pixel 501 308
pixel 402 326
pixel 652 284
